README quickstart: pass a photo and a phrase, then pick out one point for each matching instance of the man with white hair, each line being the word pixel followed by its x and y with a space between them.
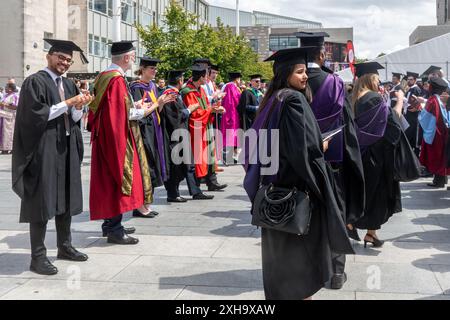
pixel 120 176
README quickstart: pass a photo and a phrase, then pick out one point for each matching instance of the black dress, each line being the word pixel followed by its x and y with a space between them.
pixel 383 195
pixel 296 267
pixel 46 164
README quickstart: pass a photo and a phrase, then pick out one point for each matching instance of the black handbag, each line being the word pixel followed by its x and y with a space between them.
pixel 285 210
pixel 406 164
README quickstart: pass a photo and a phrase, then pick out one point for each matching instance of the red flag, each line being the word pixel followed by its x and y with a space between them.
pixel 351 55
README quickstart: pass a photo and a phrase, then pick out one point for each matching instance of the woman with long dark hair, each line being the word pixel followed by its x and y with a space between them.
pixel 295 266
pixel 379 133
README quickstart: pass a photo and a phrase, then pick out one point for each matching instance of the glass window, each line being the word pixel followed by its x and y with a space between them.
pixel 273 43
pixel 100 6
pixel 91 45
pixel 96 46
pixel 254 43
pixel 293 42
pixel 128 11
pixel 110 8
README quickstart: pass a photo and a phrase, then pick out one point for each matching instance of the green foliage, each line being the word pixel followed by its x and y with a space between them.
pixel 182 40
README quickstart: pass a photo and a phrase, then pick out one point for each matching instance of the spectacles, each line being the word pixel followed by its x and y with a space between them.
pixel 69 61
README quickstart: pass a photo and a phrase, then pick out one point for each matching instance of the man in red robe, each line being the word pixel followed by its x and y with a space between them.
pixel 120 177
pixel 435 122
pixel 200 127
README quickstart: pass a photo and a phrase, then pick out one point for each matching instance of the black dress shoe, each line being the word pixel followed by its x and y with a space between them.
pixel 137 214
pixel 72 254
pixel 202 196
pixel 353 234
pixel 338 280
pixel 124 240
pixel 43 266
pixel 177 200
pixel 434 185
pixel 129 230
pixel 217 187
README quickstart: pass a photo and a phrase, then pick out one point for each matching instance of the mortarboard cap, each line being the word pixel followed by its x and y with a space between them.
pixel 122 47
pixel 67 47
pixel 215 67
pixel 235 75
pixel 396 74
pixel 430 70
pixel 367 68
pixel 149 62
pixel 255 76
pixel 438 84
pixel 412 74
pixel 202 60
pixel 288 57
pixel 313 39
pixel 198 69
pixel 173 75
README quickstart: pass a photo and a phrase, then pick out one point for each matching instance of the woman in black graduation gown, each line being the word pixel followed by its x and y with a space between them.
pixel 296 267
pixel 379 133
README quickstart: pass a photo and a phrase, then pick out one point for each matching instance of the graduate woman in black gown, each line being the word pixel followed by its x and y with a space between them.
pixel 379 133
pixel 296 267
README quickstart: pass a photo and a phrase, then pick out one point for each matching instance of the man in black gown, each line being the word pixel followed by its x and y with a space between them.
pixel 329 100
pixel 249 102
pixel 48 151
pixel 413 111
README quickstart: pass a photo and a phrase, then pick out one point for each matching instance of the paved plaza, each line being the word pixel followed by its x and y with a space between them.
pixel 209 250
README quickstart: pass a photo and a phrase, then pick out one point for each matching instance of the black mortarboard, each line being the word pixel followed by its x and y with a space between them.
pixel 214 67
pixel 122 47
pixel 438 84
pixel 198 69
pixel 67 47
pixel 263 80
pixel 367 68
pixel 149 62
pixel 202 60
pixel 235 75
pixel 255 76
pixel 412 74
pixel 313 39
pixel 430 70
pixel 288 57
pixel 398 75
pixel 173 75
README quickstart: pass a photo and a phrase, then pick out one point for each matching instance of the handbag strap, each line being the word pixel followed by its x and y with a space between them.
pixel 279 201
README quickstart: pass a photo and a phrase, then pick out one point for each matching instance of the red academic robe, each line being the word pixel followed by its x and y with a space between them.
pixel 199 121
pixel 110 132
pixel 433 156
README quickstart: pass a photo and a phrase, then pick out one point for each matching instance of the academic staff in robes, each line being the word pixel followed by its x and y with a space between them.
pixel 414 107
pixel 435 122
pixel 154 137
pixel 396 87
pixel 296 267
pixel 332 111
pixel 230 119
pixel 176 117
pixel 120 174
pixel 249 102
pixel 379 132
pixel 200 128
pixel 48 152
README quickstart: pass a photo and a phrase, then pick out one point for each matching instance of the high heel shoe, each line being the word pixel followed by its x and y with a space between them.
pixel 376 243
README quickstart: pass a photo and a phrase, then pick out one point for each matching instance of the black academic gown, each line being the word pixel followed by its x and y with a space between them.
pixel 296 267
pixel 392 94
pixel 413 132
pixel 383 196
pixel 246 115
pixel 148 132
pixel 46 164
pixel 350 173
pixel 172 119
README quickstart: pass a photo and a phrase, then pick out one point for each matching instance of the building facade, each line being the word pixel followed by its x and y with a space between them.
pixel 424 33
pixel 443 12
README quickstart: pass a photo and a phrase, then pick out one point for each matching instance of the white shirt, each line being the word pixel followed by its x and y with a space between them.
pixel 312 65
pixel 135 114
pixel 61 108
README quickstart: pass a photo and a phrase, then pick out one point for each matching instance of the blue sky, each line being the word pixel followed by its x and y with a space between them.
pixel 379 26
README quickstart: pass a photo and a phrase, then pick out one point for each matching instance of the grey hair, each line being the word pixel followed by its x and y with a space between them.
pixel 119 57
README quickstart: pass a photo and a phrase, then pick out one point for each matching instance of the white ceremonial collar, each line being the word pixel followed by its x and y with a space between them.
pixel 114 66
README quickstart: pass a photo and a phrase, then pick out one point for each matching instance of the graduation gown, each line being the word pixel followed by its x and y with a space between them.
pixel 413 132
pixel 120 177
pixel 201 130
pixel 296 267
pixel 433 153
pixel 247 108
pixel 230 119
pixel 383 196
pixel 332 109
pixel 172 120
pixel 154 137
pixel 46 163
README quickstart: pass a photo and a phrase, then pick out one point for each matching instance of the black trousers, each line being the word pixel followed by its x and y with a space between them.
pixel 114 226
pixel 210 179
pixel 39 230
pixel 440 180
pixel 338 260
pixel 192 183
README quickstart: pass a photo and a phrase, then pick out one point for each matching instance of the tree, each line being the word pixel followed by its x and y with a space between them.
pixel 181 40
